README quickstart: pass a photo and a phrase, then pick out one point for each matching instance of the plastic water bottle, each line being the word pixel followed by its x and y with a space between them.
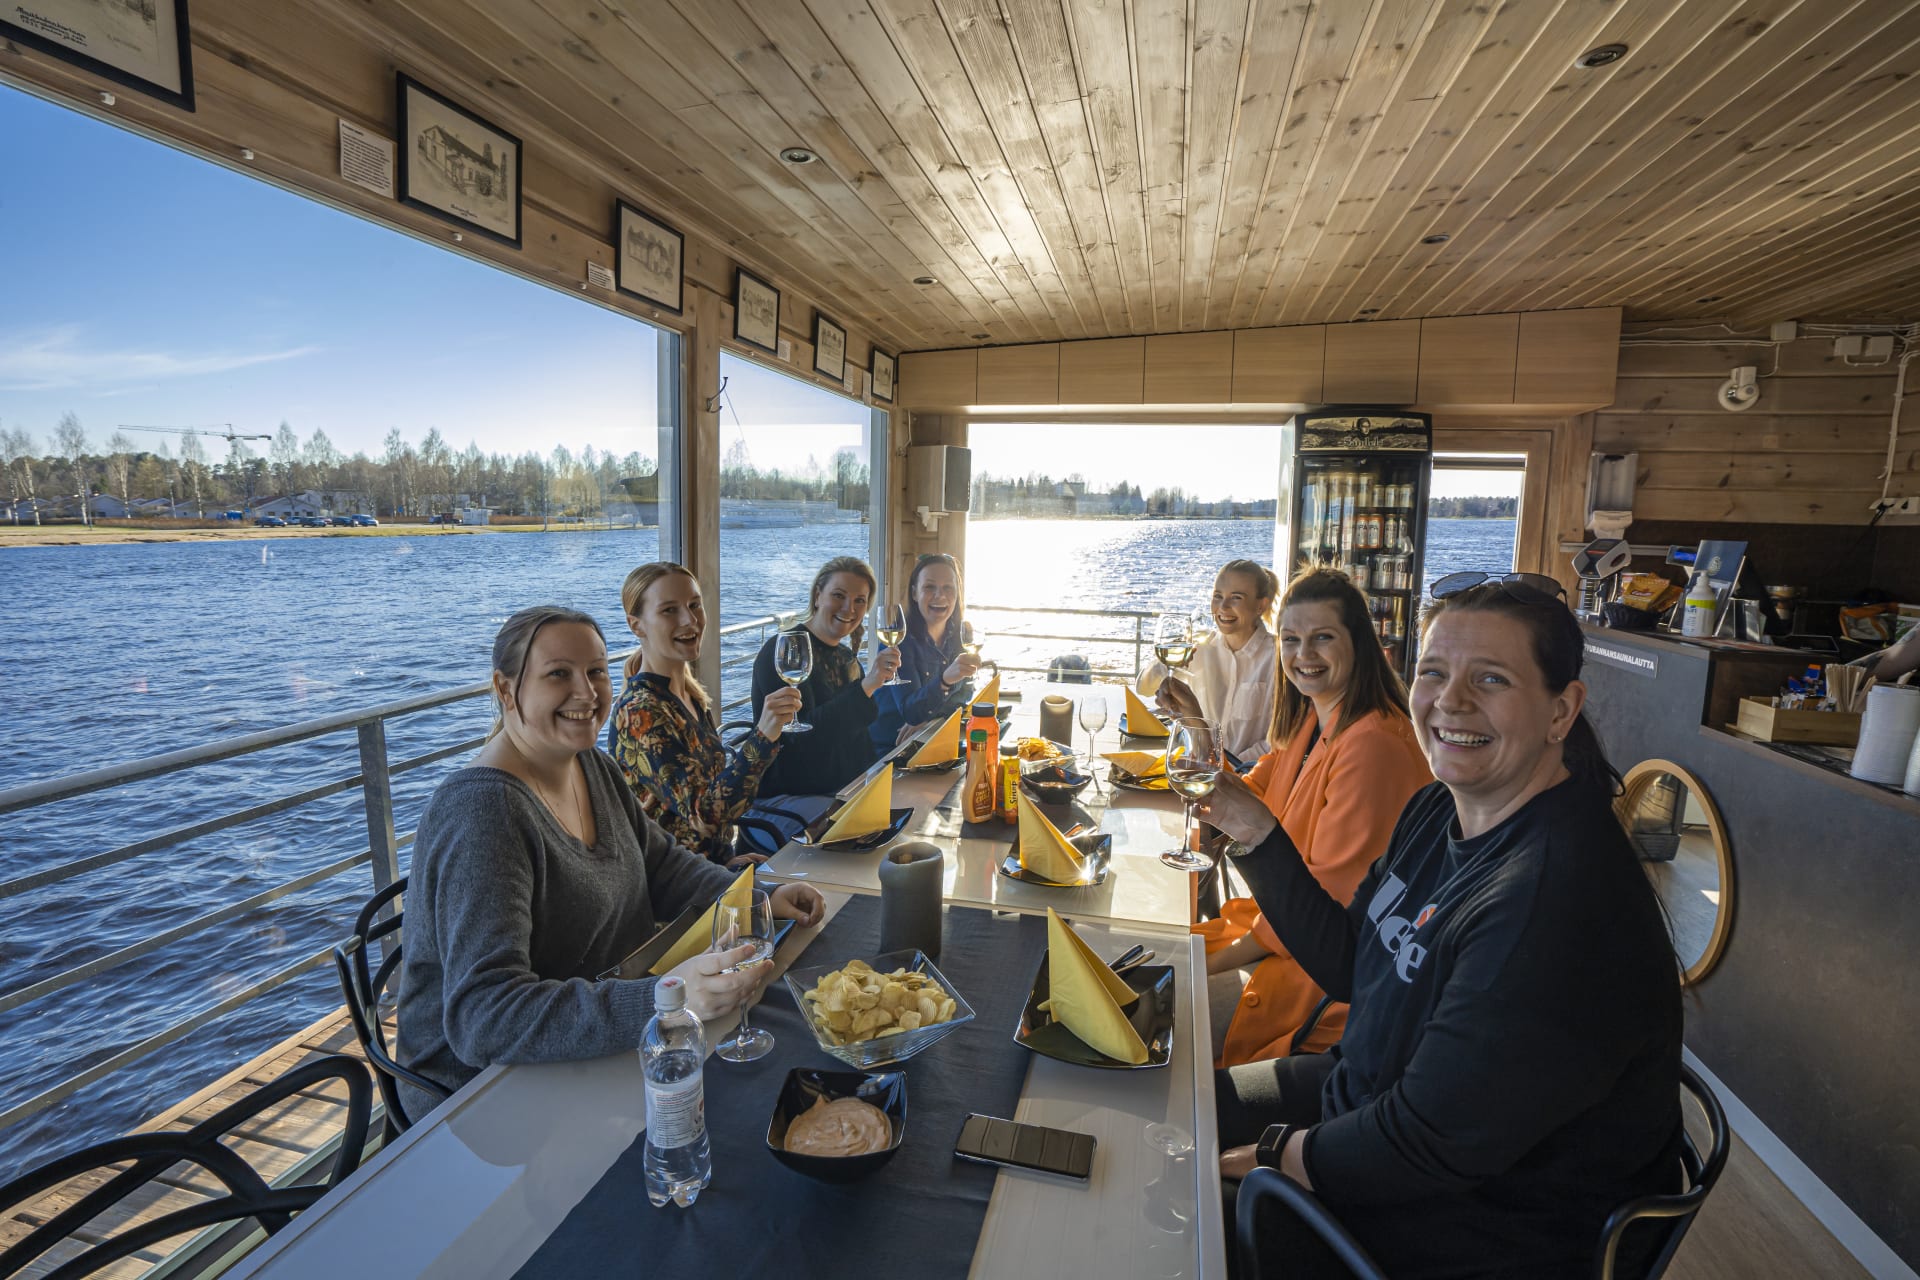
pixel 679 1163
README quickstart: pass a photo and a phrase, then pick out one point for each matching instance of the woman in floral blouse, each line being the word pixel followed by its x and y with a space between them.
pixel 662 728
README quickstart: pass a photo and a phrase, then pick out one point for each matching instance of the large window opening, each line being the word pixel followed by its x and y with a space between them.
pixel 1473 513
pixel 797 488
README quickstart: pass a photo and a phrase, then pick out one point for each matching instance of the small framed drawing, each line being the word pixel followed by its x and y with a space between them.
pixel 756 312
pixel 829 348
pixel 648 258
pixel 141 44
pixel 457 166
pixel 880 376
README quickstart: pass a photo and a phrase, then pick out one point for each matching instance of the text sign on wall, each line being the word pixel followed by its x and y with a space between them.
pixel 1644 664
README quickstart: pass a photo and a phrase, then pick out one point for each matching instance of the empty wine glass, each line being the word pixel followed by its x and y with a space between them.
pixel 890 627
pixel 1093 718
pixel 1193 766
pixel 1173 640
pixel 738 926
pixel 793 661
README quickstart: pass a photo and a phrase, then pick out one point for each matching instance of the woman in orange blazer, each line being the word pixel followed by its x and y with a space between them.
pixel 1345 765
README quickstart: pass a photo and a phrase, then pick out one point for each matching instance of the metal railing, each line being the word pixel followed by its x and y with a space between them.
pixel 1139 641
pixel 383 844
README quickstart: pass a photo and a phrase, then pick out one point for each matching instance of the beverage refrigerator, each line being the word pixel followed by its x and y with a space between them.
pixel 1353 496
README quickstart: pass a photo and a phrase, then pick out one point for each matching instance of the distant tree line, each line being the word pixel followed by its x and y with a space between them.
pixel 210 474
pixel 1474 508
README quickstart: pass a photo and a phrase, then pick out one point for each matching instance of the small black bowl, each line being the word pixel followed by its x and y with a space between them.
pixel 886 1090
pixel 1055 784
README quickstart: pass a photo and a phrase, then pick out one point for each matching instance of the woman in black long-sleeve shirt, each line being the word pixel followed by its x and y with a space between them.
pixel 837 697
pixel 1510 1068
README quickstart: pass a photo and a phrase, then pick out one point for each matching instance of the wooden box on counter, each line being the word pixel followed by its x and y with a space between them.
pixel 1759 718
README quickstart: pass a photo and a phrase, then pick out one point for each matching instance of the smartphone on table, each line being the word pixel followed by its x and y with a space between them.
pixel 1026 1146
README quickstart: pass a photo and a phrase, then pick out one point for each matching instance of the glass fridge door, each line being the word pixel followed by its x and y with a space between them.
pixel 1357 514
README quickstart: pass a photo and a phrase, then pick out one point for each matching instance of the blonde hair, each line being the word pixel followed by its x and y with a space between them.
pixel 633 594
pixel 844 564
pixel 1266 583
pixel 515 640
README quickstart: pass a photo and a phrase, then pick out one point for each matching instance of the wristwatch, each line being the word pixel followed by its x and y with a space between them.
pixel 1272 1144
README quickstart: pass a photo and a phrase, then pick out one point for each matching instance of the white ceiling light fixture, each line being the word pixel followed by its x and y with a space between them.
pixel 1742 390
pixel 798 155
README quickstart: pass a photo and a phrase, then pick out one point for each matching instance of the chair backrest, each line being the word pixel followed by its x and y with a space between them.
pixel 1269 1186
pixel 247 1194
pixel 364 985
pixel 1677 1210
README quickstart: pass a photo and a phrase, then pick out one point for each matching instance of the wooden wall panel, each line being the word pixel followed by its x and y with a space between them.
pixel 1104 371
pixel 1375 363
pixel 1568 357
pixel 1019 375
pixel 1280 366
pixel 939 379
pixel 1190 368
pixel 1809 453
pixel 1468 360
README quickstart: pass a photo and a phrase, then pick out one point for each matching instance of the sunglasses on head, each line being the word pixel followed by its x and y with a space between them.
pixel 1527 588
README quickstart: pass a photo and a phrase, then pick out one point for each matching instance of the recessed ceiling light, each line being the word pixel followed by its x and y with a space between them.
pixel 1712 297
pixel 1438 237
pixel 923 280
pixel 798 155
pixel 981 337
pixel 1605 55
pixel 1368 311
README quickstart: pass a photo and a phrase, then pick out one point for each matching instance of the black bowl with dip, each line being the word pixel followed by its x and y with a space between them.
pixel 885 1090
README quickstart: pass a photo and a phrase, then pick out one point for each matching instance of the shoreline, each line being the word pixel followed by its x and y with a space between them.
pixel 119 535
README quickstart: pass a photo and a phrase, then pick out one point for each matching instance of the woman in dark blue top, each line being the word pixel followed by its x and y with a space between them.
pixel 930 657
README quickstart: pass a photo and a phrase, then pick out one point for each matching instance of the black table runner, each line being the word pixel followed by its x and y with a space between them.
pixel 922 1212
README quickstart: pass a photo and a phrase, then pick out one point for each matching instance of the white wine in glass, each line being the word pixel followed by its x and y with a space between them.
pixel 793 663
pixel 971 638
pixel 890 625
pixel 1193 766
pixel 1173 640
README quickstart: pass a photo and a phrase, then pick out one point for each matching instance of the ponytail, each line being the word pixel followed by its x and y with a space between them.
pixel 633 598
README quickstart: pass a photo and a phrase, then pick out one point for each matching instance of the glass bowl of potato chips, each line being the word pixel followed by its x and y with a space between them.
pixel 868 1013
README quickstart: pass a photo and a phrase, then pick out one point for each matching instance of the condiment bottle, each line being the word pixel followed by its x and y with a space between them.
pixel 1009 784
pixel 983 763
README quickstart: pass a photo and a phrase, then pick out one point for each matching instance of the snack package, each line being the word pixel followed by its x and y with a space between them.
pixel 1648 591
pixel 1871 623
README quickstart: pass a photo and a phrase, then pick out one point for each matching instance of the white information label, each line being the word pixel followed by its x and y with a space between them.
pixel 366 159
pixel 676 1112
pixel 599 276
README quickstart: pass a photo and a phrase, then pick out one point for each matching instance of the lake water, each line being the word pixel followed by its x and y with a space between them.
pixel 116 653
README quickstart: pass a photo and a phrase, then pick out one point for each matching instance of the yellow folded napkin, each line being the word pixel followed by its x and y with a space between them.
pixel 699 935
pixel 870 810
pixel 1141 722
pixel 991 693
pixel 1141 764
pixel 1044 851
pixel 942 747
pixel 1087 997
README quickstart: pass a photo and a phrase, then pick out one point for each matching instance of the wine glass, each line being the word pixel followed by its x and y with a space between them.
pixel 971 638
pixel 1193 765
pixel 737 926
pixel 890 626
pixel 793 661
pixel 1200 627
pixel 1093 718
pixel 1173 640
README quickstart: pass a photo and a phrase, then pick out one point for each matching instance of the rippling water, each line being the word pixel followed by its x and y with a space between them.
pixel 120 652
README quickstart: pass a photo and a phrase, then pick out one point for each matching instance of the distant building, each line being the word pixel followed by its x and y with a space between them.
pixel 315 502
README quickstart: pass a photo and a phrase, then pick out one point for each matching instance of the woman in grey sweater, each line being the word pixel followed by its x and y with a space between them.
pixel 534 870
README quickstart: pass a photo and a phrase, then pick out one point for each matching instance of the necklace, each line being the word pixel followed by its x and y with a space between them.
pixel 572 807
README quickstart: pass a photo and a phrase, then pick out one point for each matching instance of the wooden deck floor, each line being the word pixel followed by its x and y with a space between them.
pixel 1752 1227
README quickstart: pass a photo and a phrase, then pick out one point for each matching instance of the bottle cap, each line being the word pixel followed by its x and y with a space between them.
pixel 670 995
pixel 983 708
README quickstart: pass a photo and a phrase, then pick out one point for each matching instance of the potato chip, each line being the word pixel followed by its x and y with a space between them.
pixel 857 1002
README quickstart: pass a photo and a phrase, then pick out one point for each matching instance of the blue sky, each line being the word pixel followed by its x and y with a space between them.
pixel 147 286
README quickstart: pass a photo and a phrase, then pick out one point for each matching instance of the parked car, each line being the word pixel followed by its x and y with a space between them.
pixel 270 522
pixel 340 522
pixel 311 522
pixel 364 522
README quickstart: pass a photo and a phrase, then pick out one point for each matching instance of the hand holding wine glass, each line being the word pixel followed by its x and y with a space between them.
pixel 1193 767
pixel 1173 640
pixel 890 627
pixel 748 927
pixel 793 662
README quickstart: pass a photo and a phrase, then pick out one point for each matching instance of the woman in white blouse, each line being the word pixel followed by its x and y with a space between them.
pixel 1230 681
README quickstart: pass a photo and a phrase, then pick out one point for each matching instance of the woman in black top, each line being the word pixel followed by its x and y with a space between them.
pixel 837 698
pixel 1510 1068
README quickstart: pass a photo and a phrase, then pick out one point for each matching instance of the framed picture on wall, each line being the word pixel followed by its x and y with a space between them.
pixel 756 311
pixel 829 348
pixel 880 376
pixel 457 166
pixel 142 44
pixel 648 258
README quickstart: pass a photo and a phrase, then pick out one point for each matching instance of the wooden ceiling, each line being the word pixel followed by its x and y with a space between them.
pixel 1084 168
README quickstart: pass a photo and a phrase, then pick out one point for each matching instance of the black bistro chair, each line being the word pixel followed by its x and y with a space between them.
pixel 1674 1213
pixel 247 1194
pixel 364 986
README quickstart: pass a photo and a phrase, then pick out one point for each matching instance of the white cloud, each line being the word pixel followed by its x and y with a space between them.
pixel 58 358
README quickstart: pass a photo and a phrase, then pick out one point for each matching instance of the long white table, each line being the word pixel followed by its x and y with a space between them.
pixel 474 1189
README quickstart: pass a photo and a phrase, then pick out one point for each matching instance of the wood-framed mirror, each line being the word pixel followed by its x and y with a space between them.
pixel 1676 829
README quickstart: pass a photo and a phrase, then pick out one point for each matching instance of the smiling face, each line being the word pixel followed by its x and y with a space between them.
pixel 1490 727
pixel 563 695
pixel 1316 650
pixel 838 606
pixel 936 593
pixel 671 620
pixel 1238 606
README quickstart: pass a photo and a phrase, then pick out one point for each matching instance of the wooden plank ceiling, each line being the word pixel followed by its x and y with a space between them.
pixel 1084 168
